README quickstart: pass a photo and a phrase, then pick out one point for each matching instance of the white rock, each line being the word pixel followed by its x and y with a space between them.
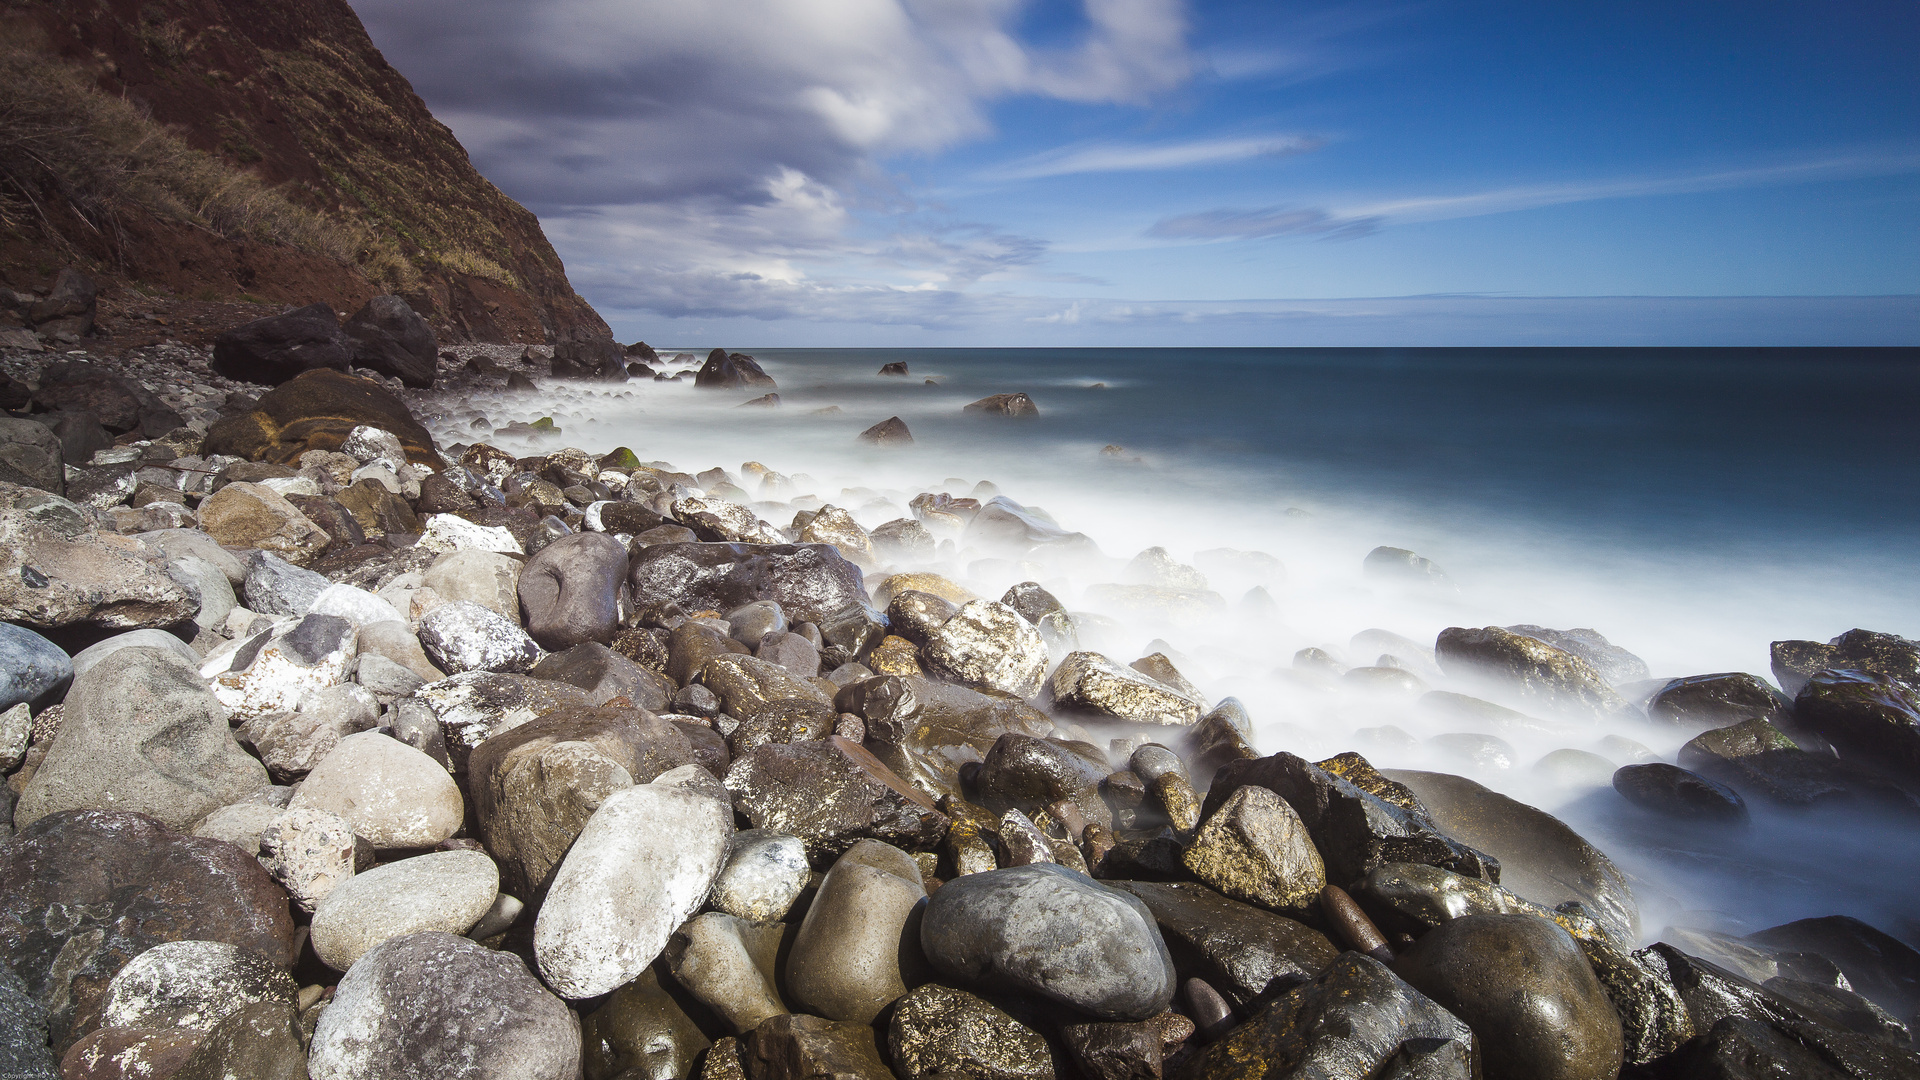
pixel 442 890
pixel 642 866
pixel 445 532
pixel 369 445
pixel 393 795
pixel 273 671
pixel 309 851
pixel 192 985
pixel 379 474
pixel 988 646
pixel 463 636
pixel 764 875
pixel 290 485
pixel 356 605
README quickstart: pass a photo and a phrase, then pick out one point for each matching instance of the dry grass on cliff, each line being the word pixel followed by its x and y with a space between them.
pixel 70 152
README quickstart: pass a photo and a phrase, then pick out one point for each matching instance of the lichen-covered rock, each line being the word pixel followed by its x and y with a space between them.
pixel 463 636
pixel 432 1004
pixel 1529 670
pixel 56 571
pixel 1255 848
pixel 1027 773
pixel 192 984
pixel 940 1031
pixel 988 646
pixel 447 532
pixel 261 1041
pixel 274 671
pixel 1089 682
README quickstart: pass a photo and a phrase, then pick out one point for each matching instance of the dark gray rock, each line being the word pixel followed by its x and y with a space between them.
pixel 811 582
pixel 275 349
pixel 389 337
pixel 889 432
pixel 1878 965
pixel 1245 953
pixel 574 590
pixel 120 404
pixel 31 454
pixel 1718 701
pixel 796 1046
pixel 23 1032
pixel 606 675
pixel 1615 664
pixel 1675 792
pixel 433 1004
pixel 731 371
pixel 32 669
pixel 1004 405
pixel 643 1029
pixel 259 1041
pixel 1532 672
pixel 1868 716
pixel 1048 931
pixel 831 793
pixel 275 586
pixel 69 306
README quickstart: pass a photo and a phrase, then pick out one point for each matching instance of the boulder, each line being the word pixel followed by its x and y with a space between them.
pixel 68 307
pixel 432 1004
pixel 1876 964
pixel 56 571
pixel 831 793
pixel 279 347
pixel 889 432
pixel 463 636
pixel 117 403
pixel 1004 405
pixel 275 586
pixel 987 646
pixel 141 733
pixel 897 367
pixel 1053 933
pixel 1357 1019
pixel 114 1053
pixel 33 670
pixel 488 578
pixel 318 410
pixel 290 744
pixel 1615 664
pixel 1028 774
pixel 1530 671
pixel 477 705
pixel 308 851
pixel 96 888
pixel 208 587
pixel 393 795
pixel 924 730
pixel 256 516
pixel 731 371
pixel 448 532
pixel 642 865
pixel 722 521
pixel 275 670
pixel 853 955
pixel 1524 987
pixel 811 582
pixel 389 337
pixel 940 1031
pixel 192 984
pixel 260 1042
pixel 606 675
pixel 1757 759
pixel 1243 951
pixel 1255 848
pixel 1087 682
pixel 595 358
pixel 31 455
pixel 1718 701
pixel 747 684
pixel 574 590
pixel 1868 716
pixel 1674 792
pixel 442 890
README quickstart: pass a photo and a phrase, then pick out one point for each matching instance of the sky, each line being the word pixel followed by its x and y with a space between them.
pixel 1179 172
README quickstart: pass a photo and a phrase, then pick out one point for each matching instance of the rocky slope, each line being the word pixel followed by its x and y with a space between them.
pixel 296 94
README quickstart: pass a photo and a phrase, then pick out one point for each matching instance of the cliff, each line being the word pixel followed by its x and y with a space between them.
pixel 262 153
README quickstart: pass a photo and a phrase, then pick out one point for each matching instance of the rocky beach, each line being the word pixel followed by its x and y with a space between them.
pixel 361 723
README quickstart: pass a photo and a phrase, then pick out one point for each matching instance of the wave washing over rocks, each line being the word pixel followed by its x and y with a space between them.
pixel 350 735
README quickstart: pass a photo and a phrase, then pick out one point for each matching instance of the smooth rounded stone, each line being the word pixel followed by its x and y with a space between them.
pixel 1413 897
pixel 1026 773
pixel 126 1053
pixel 1255 848
pixel 1868 716
pixel 1089 682
pixel 791 651
pixel 752 622
pixel 261 1041
pixel 441 890
pixel 141 733
pixel 463 636
pixel 796 1045
pixel 728 965
pixel 433 1004
pixel 172 544
pixel 1358 1019
pixel 506 911
pixel 606 675
pixel 93 889
pixel 191 984
pixel 1051 932
pixel 938 1031
pixel 1531 672
pixel 487 578
pixel 245 515
pixel 239 824
pixel 690 645
pixel 722 521
pixel 643 864
pixel 275 669
pixel 988 646
pixel 1541 859
pixel 309 852
pixel 850 958
pixel 1878 965
pixel 765 873
pixel 1717 701
pixel 1524 987
pixel 535 786
pixel 1575 768
pixel 1475 750
pixel 356 605
pixel 1243 952
pixel 393 795
pixel 207 585
pixel 31 667
pixel 447 532
pixel 831 793
pixel 641 1033
pixel 574 590
pixel 1675 792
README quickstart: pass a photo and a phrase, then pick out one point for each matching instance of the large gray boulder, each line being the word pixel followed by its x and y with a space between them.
pixel 389 337
pixel 275 349
pixel 574 590
pixel 57 571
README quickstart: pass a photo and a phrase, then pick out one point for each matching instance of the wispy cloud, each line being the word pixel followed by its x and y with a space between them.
pixel 1258 224
pixel 1150 157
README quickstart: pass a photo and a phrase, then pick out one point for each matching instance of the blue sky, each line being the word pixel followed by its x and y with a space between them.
pixel 944 172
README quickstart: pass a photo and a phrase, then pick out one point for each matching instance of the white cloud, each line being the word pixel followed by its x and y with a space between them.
pixel 1145 157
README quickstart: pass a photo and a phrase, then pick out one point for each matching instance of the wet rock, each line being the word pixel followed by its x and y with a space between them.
pixel 784 720
pixel 1675 792
pixel 794 1046
pixel 1413 898
pixel 831 793
pixel 605 675
pixel 95 888
pixel 463 636
pixel 441 890
pixel 1165 777
pixel 1615 664
pixel 1540 858
pixel 318 411
pixel 279 347
pixel 988 646
pixel 765 873
pixel 1402 567
pixel 308 851
pixel 833 525
pixel 1243 951
pixel 33 670
pixel 745 684
pixel 940 1031
pixel 640 1032
pixel 574 590
pixel 1027 773
pixel 1115 1051
pixel 1524 987
pixel 810 582
pixel 535 786
pixel 727 964
pixel 256 516
pixel 1353 829
pixel 1575 768
pixel 690 645
pixel 1869 717
pixel 1053 933
pixel 903 539
pixel 642 865
pixel 1356 1019
pixel 1004 405
pixel 1255 848
pixel 791 651
pixel 275 670
pixel 387 336
pixel 191 984
pixel 915 615
pixel 30 455
pixel 141 733
pixel 1090 683
pixel 393 795
pixel 731 371
pixel 1741 1049
pixel 753 622
pixel 721 521
pixel 56 571
pixel 889 432
pixel 1531 671
pixel 433 1004
pixel 1717 701
pixel 1878 965
pixel 261 1041
pixel 854 953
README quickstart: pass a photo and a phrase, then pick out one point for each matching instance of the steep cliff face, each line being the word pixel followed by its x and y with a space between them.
pixel 295 92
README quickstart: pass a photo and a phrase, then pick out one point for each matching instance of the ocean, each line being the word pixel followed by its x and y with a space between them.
pixel 1692 505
